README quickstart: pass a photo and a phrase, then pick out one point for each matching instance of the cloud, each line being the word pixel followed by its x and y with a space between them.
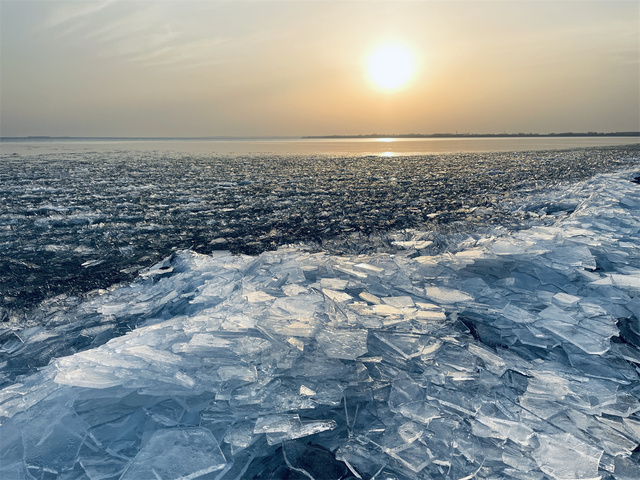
pixel 145 34
pixel 63 14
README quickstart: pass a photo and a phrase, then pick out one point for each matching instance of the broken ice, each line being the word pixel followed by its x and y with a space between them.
pixel 516 356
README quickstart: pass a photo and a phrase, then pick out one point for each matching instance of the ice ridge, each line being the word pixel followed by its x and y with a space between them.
pixel 516 356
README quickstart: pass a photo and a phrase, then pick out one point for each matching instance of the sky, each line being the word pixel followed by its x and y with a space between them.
pixel 292 68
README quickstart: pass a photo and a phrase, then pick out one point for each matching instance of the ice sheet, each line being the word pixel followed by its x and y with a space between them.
pixel 517 359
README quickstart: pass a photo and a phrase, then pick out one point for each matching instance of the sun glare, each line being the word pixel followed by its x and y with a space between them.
pixel 390 67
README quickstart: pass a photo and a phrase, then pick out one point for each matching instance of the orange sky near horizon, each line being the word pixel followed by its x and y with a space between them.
pixel 264 68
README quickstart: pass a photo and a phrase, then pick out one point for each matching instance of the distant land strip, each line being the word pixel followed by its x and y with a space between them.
pixel 481 135
pixel 36 138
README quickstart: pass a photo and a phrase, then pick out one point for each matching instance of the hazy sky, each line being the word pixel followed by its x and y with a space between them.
pixel 262 68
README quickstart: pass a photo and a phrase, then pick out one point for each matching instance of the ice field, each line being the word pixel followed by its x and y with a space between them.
pixel 511 353
pixel 75 221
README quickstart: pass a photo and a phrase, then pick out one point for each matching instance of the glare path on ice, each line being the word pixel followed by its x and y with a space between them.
pixel 516 355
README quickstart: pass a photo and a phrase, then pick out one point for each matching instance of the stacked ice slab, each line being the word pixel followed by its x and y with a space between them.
pixel 515 355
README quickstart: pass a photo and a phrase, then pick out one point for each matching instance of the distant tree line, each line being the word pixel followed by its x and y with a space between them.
pixel 481 135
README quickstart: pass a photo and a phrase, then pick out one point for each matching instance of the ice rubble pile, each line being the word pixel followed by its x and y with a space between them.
pixel 517 356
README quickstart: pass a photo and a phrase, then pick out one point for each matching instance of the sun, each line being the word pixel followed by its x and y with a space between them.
pixel 390 67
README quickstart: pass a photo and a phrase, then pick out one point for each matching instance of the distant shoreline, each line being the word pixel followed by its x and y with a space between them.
pixel 39 138
pixel 480 135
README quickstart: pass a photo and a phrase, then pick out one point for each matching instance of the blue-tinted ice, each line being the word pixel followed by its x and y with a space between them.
pixel 515 355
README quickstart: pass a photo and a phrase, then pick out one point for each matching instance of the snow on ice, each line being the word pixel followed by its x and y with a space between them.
pixel 516 355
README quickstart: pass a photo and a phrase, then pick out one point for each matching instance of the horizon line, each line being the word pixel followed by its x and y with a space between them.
pixel 332 136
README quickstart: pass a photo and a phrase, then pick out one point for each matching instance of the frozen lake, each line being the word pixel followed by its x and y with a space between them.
pixel 72 222
pixel 437 316
pixel 391 146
